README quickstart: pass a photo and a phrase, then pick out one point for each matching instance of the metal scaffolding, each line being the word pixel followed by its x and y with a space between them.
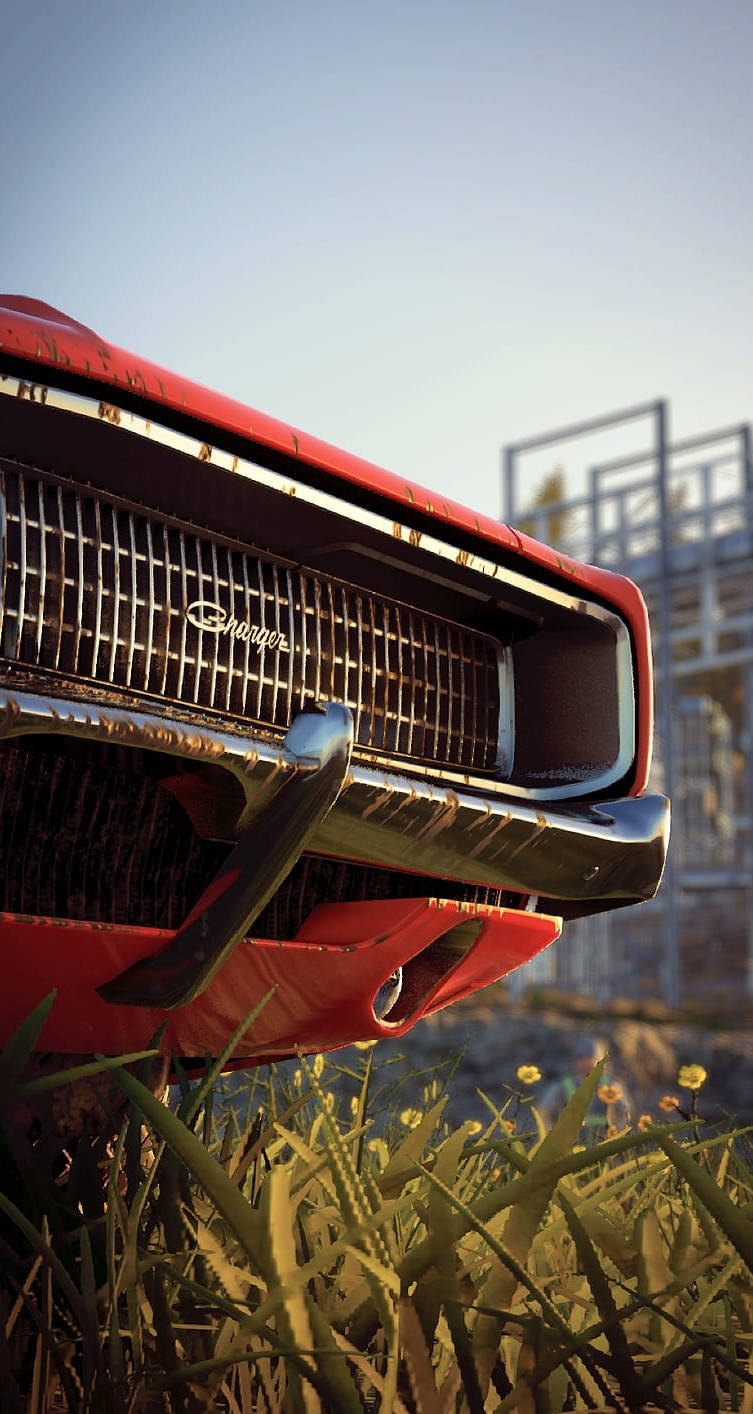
pixel 678 519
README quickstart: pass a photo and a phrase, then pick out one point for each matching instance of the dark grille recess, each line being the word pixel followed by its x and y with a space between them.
pixel 98 590
pixel 88 836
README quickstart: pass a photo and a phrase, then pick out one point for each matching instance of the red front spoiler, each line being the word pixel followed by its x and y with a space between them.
pixel 324 980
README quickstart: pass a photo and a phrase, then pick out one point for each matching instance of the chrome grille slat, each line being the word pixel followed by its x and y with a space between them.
pixel 304 642
pixel 216 656
pixel 262 621
pixel 42 567
pixel 134 594
pixel 247 645
pixel 166 568
pixel 183 619
pixel 437 688
pixel 359 667
pixel 332 643
pixel 81 578
pixel 318 621
pixel 22 567
pixel 150 593
pixel 275 656
pixel 231 668
pixel 425 680
pixel 115 548
pixel 199 653
pixel 88 585
pixel 291 641
pixel 100 584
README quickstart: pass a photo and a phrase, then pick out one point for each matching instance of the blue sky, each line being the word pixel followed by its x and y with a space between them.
pixel 418 230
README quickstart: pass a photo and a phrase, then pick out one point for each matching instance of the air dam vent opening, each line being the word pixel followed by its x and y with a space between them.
pixel 423 973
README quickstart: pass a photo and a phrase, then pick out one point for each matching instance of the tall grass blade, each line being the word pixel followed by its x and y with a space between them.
pixel 622 1364
pixel 245 1221
pixel 16 1052
pixel 733 1224
pixel 524 1221
pixel 417 1360
pixel 193 1100
pixel 294 1317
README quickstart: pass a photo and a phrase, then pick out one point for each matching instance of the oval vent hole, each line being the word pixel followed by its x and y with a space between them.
pixel 423 973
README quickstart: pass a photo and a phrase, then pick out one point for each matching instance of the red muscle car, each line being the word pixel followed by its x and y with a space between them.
pixel 274 720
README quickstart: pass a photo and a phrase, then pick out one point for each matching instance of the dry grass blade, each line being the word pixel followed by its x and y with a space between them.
pixel 244 1220
pixel 417 1360
pixel 293 1317
pixel 622 1365
pixel 734 1225
pixel 370 1378
pixel 510 1262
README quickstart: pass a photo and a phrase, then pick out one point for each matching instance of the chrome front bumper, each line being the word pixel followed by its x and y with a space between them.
pixel 589 855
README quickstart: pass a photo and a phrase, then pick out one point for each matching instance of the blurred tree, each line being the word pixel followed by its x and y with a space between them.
pixel 551 492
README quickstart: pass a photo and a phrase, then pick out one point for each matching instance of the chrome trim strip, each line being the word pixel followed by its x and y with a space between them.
pixel 586 854
pixel 215 456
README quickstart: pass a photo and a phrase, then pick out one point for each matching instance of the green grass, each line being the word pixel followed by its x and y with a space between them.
pixel 274 1249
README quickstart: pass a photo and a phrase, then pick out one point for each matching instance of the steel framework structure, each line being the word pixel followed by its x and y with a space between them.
pixel 678 519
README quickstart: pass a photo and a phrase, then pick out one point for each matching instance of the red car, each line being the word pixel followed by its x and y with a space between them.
pixel 272 719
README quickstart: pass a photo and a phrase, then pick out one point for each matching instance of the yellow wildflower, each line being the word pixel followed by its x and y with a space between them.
pixel 669 1103
pixel 318 1065
pixel 329 1102
pixel 297 1078
pixel 354 1105
pixel 474 1126
pixel 691 1077
pixel 364 1045
pixel 380 1151
pixel 528 1074
pixel 508 1125
pixel 609 1094
pixel 644 1122
pixel 411 1118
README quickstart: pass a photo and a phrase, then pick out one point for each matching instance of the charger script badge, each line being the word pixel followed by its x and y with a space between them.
pixel 210 617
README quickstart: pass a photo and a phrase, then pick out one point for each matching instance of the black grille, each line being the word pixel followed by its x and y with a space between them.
pixel 96 589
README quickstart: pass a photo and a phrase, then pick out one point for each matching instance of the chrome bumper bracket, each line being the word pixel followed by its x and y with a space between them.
pixel 273 839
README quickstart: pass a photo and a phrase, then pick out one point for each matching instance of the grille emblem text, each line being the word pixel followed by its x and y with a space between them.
pixel 212 618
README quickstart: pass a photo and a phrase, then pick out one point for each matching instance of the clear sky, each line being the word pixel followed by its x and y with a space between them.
pixel 418 230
